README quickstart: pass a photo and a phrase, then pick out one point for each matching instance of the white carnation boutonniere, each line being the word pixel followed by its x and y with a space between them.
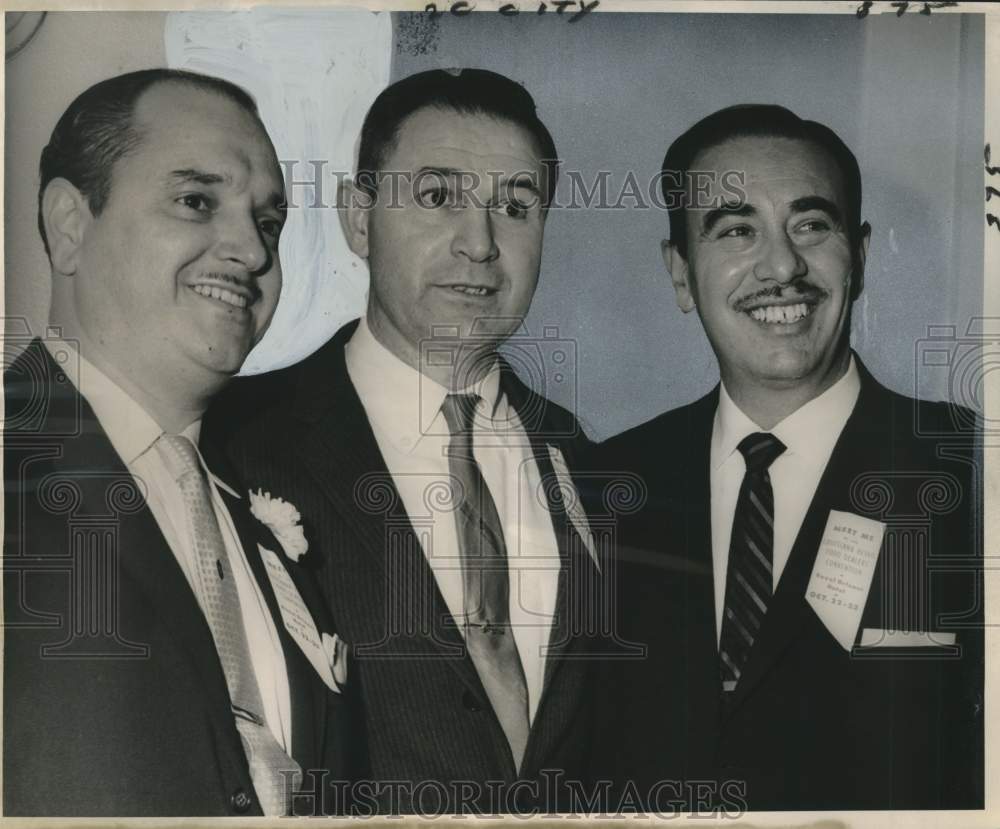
pixel 282 519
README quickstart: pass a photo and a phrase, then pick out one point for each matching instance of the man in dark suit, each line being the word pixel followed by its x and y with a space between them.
pixel 163 653
pixel 805 572
pixel 433 484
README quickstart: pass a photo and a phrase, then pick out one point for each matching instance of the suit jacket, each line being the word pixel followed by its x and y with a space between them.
pixel 115 702
pixel 811 726
pixel 303 434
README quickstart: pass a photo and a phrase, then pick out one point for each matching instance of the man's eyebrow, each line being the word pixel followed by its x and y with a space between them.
pixel 807 203
pixel 518 180
pixel 196 176
pixel 275 199
pixel 443 172
pixel 716 215
pixel 527 181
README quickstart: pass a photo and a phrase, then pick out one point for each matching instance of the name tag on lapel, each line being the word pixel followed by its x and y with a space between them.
pixel 296 617
pixel 842 575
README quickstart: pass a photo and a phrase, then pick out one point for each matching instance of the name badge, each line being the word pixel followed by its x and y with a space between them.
pixel 298 620
pixel 842 575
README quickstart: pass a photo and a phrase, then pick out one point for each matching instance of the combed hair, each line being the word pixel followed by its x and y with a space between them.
pixel 466 91
pixel 759 121
pixel 97 130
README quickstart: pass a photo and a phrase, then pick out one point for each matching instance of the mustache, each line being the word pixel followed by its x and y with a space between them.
pixel 800 292
pixel 247 284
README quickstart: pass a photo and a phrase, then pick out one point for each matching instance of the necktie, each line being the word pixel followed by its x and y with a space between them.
pixel 749 579
pixel 275 775
pixel 486 589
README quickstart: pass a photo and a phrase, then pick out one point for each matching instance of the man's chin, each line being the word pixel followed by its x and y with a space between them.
pixel 224 359
pixel 790 367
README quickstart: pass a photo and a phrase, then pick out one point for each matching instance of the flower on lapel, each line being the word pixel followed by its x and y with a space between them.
pixel 282 519
pixel 336 654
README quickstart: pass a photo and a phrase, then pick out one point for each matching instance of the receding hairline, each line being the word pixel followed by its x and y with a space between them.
pixel 392 145
pixel 195 86
pixel 138 121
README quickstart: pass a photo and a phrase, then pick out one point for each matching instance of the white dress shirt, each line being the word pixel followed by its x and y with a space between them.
pixel 133 433
pixel 404 409
pixel 809 435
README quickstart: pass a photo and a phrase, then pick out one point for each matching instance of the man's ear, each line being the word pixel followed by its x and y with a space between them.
pixel 66 216
pixel 354 208
pixel 677 266
pixel 860 257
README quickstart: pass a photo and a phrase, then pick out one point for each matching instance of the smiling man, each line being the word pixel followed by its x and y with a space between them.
pixel 148 670
pixel 790 535
pixel 423 466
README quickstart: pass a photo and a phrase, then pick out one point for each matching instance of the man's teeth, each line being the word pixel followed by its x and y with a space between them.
pixel 466 289
pixel 223 294
pixel 781 315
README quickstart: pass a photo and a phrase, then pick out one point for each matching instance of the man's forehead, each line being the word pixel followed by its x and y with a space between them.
pixel 764 158
pixel 439 137
pixel 186 128
pixel 778 168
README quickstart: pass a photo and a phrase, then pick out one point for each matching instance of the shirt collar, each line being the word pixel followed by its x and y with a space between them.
pixel 129 427
pixel 131 430
pixel 810 431
pixel 404 403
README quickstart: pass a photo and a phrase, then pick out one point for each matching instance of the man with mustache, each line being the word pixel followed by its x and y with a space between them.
pixel 805 569
pixel 432 481
pixel 163 653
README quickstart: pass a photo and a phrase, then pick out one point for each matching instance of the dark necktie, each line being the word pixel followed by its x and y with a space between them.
pixel 486 589
pixel 273 772
pixel 751 552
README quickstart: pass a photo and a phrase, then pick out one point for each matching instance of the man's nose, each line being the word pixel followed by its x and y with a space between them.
pixel 780 261
pixel 240 242
pixel 474 235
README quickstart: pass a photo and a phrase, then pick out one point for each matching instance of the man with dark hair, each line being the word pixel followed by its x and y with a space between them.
pixel 805 571
pixel 430 477
pixel 163 653
pixel 471 92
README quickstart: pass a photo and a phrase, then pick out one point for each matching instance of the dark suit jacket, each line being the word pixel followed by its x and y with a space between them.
pixel 114 699
pixel 303 434
pixel 811 726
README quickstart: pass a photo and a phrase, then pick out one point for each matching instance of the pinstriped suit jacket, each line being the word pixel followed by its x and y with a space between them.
pixel 302 434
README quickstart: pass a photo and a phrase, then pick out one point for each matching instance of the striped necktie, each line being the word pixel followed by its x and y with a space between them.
pixel 275 775
pixel 486 589
pixel 749 578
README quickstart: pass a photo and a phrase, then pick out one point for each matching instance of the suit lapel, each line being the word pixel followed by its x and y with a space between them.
pixel 339 449
pixel 858 443
pixel 305 690
pixel 701 672
pixel 579 585
pixel 146 564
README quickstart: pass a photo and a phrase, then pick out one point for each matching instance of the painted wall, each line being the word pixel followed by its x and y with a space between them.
pixel 71 51
pixel 905 94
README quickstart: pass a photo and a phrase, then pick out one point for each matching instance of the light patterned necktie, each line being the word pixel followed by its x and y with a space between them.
pixel 486 589
pixel 275 775
pixel 751 551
